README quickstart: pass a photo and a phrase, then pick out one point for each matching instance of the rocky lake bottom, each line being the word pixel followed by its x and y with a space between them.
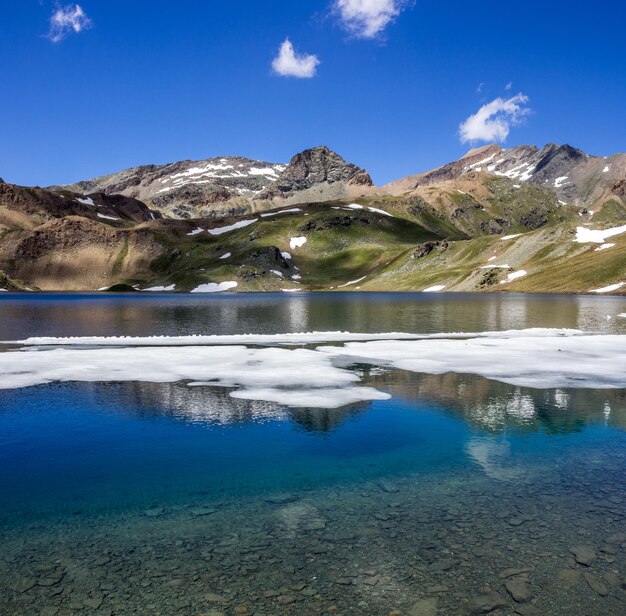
pixel 442 494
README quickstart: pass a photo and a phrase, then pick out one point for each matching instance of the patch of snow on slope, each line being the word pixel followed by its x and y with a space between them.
pixel 514 276
pixel 611 287
pixel 277 273
pixel 355 206
pixel 517 173
pixel 379 211
pixel 285 255
pixel 605 169
pixel 297 242
pixel 481 162
pixel 559 181
pixel 108 217
pixel 510 237
pixel 226 255
pixel 237 225
pixel 196 231
pixel 504 266
pixel 597 236
pixel 289 211
pixel 213 287
pixel 434 288
pixel 351 282
pixel 172 287
pixel 86 201
pixel 604 247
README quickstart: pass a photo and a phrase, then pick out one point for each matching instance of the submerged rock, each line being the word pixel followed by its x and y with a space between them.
pixel 483 604
pixel 517 587
pixel 596 585
pixel 425 607
pixel 584 554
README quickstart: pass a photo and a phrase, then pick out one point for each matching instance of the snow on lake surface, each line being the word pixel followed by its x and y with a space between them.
pixel 597 236
pixel 237 225
pixel 435 288
pixel 539 358
pixel 609 288
pixel 214 287
pixel 297 242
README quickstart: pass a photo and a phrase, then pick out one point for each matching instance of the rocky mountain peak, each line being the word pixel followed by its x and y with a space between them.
pixel 315 166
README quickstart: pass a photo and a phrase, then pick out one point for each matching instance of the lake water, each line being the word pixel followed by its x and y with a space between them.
pixel 450 494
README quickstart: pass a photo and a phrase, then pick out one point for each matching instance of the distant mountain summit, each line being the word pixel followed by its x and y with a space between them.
pixel 230 185
pixel 190 188
pixel 576 178
pixel 318 174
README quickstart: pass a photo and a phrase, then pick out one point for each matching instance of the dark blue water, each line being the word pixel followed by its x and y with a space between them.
pixel 451 468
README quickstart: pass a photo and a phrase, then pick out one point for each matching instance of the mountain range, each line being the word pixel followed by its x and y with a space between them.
pixel 549 219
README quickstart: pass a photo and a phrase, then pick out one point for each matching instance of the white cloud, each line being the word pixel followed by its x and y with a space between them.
pixel 288 63
pixel 508 86
pixel 367 18
pixel 67 19
pixel 493 121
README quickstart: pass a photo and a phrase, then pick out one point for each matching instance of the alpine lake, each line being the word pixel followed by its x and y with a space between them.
pixel 446 493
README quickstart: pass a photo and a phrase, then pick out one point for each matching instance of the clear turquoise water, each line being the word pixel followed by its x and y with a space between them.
pixel 189 493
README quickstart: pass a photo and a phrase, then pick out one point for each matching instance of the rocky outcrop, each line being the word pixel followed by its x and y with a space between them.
pixel 314 167
pixel 22 206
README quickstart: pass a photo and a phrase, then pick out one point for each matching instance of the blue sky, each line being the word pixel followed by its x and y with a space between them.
pixel 154 81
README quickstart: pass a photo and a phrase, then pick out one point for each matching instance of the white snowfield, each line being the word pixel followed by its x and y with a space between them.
pixel 196 231
pixel 172 287
pixel 292 210
pixel 597 236
pixel 226 255
pixel 214 287
pixel 222 169
pixel 379 211
pixel 434 288
pixel 297 242
pixel 609 288
pixel 324 376
pixel 351 282
pixel 510 237
pixel 86 201
pixel 108 217
pixel 514 276
pixel 237 225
